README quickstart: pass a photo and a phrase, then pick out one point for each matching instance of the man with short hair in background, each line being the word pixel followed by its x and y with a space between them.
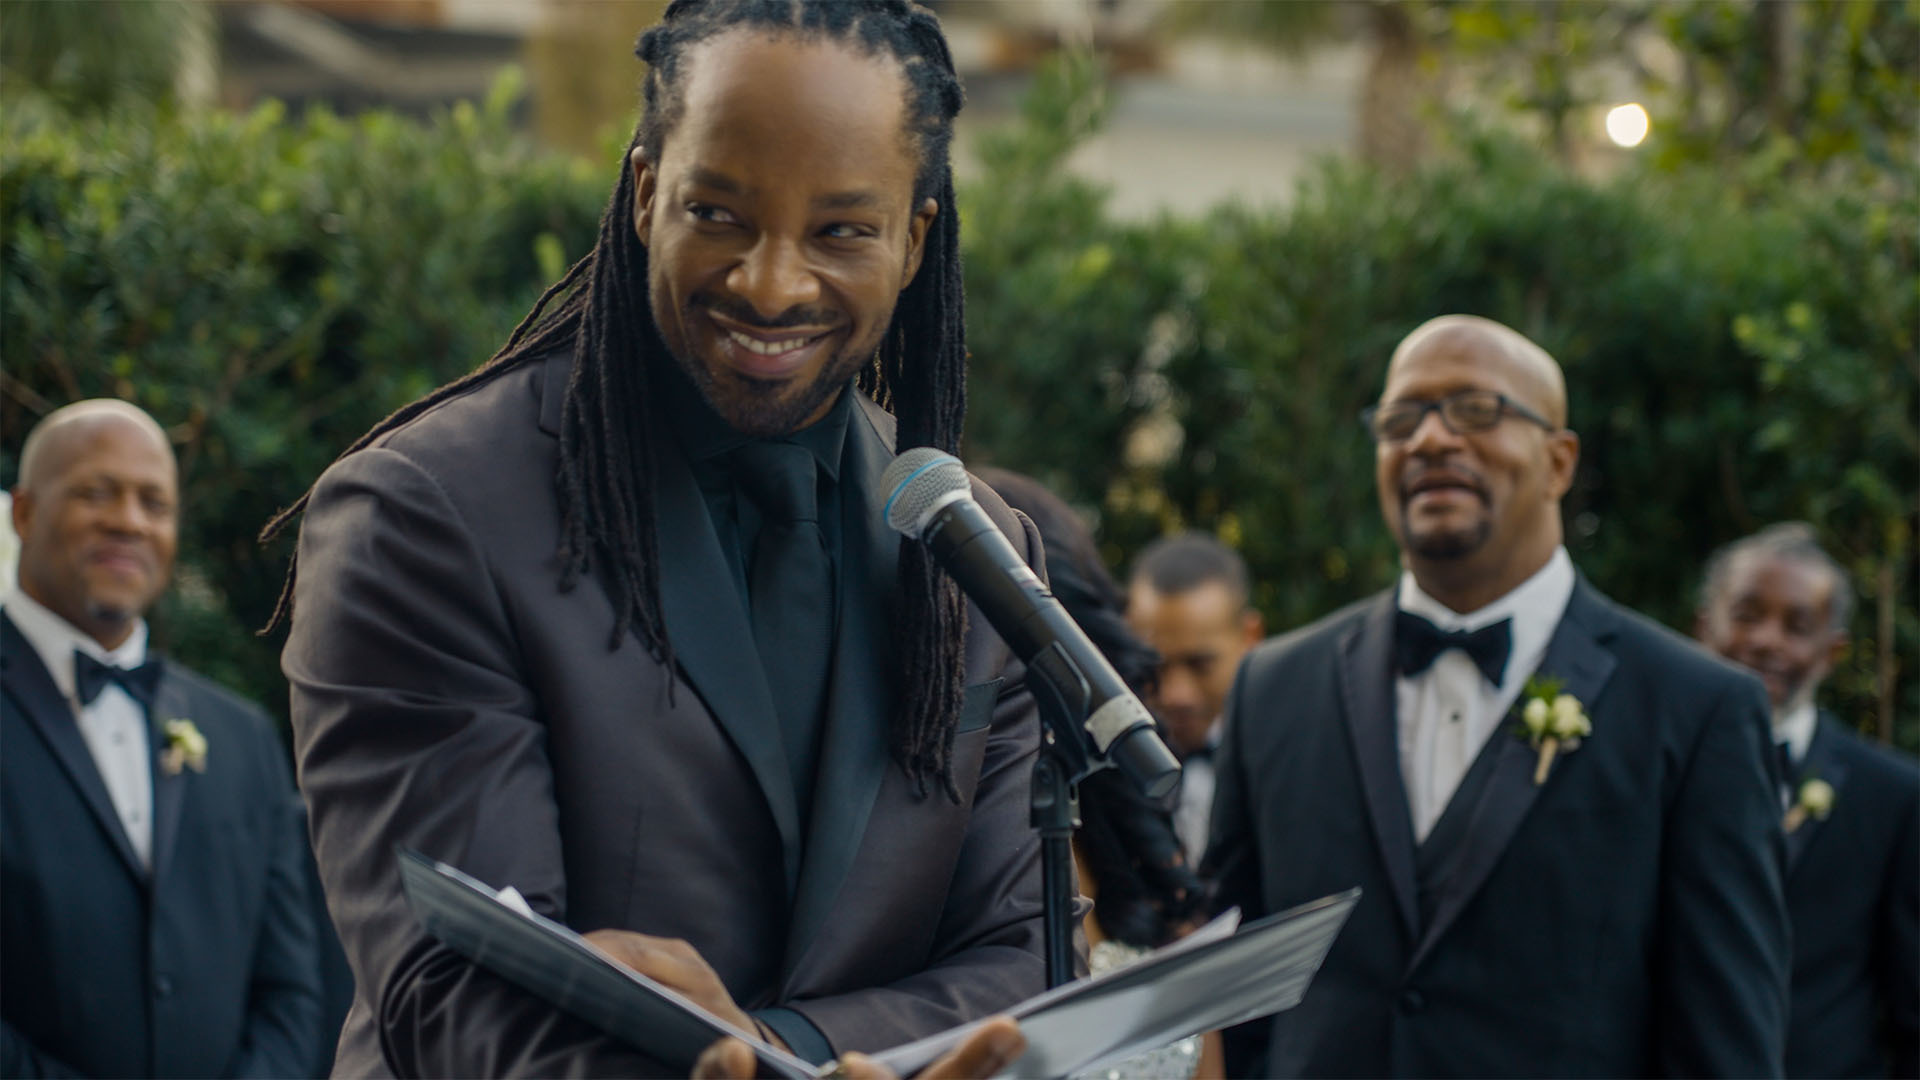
pixel 156 918
pixel 1188 598
pixel 1561 814
pixel 1776 603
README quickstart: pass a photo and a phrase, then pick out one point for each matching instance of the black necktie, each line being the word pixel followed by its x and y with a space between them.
pixel 1787 767
pixel 1417 642
pixel 790 593
pixel 90 676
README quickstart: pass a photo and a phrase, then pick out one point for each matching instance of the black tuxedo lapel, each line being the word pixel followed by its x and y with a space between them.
pixel 169 791
pixel 31 690
pixel 708 624
pixel 706 621
pixel 853 753
pixel 1575 656
pixel 1366 686
pixel 711 635
pixel 1824 763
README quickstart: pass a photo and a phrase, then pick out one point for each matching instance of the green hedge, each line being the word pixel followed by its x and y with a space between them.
pixel 269 287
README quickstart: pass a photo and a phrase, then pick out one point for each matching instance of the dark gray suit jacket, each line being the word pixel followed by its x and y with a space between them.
pixel 208 966
pixel 1623 919
pixel 448 697
pixel 1853 888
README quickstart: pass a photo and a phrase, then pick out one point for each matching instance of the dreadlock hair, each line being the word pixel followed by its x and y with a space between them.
pixel 601 312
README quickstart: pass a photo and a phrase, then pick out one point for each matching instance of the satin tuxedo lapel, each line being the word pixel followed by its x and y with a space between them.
pixel 1576 657
pixel 1823 762
pixel 853 752
pixel 31 690
pixel 1366 690
pixel 708 625
pixel 169 791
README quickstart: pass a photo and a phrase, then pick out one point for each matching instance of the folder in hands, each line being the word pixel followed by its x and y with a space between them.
pixel 1221 974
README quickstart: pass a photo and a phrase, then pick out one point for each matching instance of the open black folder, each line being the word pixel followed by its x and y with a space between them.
pixel 1209 979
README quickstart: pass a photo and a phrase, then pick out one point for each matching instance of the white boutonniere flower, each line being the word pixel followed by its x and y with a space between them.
pixel 186 747
pixel 1553 722
pixel 1815 801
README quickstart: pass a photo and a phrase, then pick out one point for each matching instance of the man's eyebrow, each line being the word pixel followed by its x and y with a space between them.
pixel 718 181
pixel 848 200
pixel 839 200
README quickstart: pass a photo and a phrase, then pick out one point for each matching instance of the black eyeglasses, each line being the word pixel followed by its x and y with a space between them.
pixel 1464 413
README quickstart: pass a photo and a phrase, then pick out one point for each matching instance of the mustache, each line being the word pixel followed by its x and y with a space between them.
pixel 1418 472
pixel 744 314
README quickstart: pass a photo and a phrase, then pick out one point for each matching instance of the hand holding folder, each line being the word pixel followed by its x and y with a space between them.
pixel 994 1045
pixel 1219 975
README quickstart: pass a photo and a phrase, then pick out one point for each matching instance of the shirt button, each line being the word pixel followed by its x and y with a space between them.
pixel 1413 1001
pixel 119 738
pixel 162 986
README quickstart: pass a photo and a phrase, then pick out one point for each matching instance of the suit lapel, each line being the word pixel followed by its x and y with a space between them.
pixel 709 629
pixel 1822 762
pixel 1577 658
pixel 31 690
pixel 169 792
pixel 705 620
pixel 853 752
pixel 1366 685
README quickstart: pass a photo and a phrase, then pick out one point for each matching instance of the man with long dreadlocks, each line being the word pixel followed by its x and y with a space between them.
pixel 615 620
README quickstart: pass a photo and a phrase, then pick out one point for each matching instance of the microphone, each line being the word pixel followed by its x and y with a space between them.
pixel 931 500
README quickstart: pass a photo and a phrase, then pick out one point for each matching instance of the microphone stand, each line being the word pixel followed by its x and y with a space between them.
pixel 1066 758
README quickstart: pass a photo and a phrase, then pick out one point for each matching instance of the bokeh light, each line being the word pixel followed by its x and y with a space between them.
pixel 1627 124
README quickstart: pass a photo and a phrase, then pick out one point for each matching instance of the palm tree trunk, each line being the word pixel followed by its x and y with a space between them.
pixel 1390 132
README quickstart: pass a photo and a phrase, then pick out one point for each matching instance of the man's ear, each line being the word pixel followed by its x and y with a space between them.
pixel 22 511
pixel 643 188
pixel 1701 626
pixel 1253 626
pixel 1563 449
pixel 917 239
pixel 1837 649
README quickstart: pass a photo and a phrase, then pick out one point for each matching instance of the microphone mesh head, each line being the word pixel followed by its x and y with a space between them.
pixel 918 483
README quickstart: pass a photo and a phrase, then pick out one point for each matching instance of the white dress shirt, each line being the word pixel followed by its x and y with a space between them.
pixel 1795 728
pixel 1193 814
pixel 1447 712
pixel 114 725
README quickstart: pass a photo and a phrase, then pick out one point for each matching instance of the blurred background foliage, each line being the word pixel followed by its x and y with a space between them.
pixel 1736 310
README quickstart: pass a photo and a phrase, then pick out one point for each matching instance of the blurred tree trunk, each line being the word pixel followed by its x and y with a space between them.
pixel 584 77
pixel 1390 131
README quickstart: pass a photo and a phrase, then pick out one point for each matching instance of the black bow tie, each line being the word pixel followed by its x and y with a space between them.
pixel 1417 642
pixel 90 676
pixel 1788 767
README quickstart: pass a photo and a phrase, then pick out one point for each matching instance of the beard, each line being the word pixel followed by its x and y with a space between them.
pixel 1444 544
pixel 769 408
pixel 761 408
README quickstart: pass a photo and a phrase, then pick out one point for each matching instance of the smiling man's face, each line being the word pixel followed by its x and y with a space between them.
pixel 780 223
pixel 1475 507
pixel 97 524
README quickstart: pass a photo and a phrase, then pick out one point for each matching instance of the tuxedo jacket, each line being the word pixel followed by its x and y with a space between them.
pixel 1623 918
pixel 1853 889
pixel 206 966
pixel 448 696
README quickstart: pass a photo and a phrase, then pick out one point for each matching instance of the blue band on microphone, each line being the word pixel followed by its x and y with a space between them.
pixel 887 510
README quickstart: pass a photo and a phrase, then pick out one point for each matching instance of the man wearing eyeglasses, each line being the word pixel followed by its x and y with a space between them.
pixel 1559 813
